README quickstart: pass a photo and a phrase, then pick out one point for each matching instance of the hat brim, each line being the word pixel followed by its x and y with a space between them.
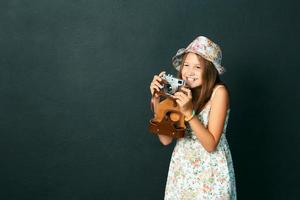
pixel 177 60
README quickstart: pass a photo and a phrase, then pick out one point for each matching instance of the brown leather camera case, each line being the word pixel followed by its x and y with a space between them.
pixel 168 120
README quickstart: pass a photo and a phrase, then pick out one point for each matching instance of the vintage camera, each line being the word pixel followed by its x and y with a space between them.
pixel 171 84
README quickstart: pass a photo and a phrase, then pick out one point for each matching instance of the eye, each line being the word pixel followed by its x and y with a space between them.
pixel 198 67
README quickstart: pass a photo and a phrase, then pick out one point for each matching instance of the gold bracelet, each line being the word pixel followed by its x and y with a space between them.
pixel 188 119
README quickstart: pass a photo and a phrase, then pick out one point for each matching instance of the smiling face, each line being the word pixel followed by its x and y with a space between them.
pixel 193 69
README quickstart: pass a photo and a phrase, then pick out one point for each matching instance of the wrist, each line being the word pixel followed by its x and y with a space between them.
pixel 188 113
pixel 190 116
pixel 154 97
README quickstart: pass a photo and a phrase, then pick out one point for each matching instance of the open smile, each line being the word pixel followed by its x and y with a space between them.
pixel 191 78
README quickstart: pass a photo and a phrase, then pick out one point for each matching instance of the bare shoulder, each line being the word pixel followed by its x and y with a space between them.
pixel 218 113
pixel 220 96
pixel 221 89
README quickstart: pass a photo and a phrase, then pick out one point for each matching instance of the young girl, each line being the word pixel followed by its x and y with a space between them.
pixel 201 165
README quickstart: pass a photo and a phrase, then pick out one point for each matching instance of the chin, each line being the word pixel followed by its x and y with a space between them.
pixel 195 86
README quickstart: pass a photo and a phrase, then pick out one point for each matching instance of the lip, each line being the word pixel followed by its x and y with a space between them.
pixel 188 78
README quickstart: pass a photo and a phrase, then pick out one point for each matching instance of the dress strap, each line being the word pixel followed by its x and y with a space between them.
pixel 214 92
pixel 208 105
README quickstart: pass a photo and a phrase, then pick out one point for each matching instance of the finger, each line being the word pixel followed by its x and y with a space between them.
pixel 156 88
pixel 185 90
pixel 173 96
pixel 181 94
pixel 156 78
pixel 180 98
pixel 183 98
pixel 179 102
pixel 161 73
pixel 158 84
pixel 189 92
pixel 177 95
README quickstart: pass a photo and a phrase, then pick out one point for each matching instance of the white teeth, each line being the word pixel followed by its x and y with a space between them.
pixel 191 79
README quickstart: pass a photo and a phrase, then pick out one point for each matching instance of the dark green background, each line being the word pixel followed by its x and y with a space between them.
pixel 74 88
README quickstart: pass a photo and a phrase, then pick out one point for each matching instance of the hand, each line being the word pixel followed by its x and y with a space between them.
pixel 184 100
pixel 156 84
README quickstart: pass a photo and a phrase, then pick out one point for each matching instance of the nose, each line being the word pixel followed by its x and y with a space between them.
pixel 190 72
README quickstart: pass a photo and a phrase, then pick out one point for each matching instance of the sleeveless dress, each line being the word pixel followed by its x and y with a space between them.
pixel 196 174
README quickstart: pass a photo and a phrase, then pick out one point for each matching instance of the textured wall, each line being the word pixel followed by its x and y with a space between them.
pixel 74 94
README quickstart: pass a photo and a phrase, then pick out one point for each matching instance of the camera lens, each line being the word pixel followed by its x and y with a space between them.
pixel 168 87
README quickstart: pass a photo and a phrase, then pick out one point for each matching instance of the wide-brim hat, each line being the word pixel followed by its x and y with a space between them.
pixel 204 47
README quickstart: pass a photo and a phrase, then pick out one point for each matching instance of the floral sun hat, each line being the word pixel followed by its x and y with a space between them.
pixel 203 47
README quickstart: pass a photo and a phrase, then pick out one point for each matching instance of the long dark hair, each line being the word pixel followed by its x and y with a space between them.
pixel 201 95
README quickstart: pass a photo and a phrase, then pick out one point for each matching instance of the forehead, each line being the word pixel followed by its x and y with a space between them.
pixel 193 58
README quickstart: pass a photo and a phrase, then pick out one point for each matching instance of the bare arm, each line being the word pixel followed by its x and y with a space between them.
pixel 155 85
pixel 210 136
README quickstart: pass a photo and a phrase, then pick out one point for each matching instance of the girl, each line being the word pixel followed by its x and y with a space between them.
pixel 201 166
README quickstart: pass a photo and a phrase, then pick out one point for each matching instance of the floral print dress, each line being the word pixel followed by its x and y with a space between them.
pixel 196 174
